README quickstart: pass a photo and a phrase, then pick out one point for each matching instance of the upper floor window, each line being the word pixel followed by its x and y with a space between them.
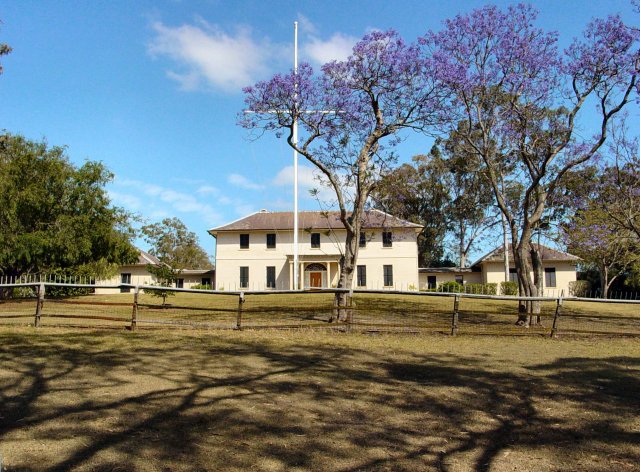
pixel 549 276
pixel 244 241
pixel 271 241
pixel 315 240
pixel 363 240
pixel 387 239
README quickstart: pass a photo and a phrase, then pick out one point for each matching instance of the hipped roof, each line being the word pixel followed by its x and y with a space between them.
pixel 283 220
pixel 547 254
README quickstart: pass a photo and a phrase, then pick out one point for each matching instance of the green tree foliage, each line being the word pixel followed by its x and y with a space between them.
pixel 417 193
pixel 175 245
pixel 447 193
pixel 55 216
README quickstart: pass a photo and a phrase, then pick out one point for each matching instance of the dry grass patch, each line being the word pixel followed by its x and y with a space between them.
pixel 304 400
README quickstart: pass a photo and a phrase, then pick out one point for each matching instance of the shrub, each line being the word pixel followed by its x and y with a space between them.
pixel 509 288
pixel 579 288
pixel 23 292
pixel 202 287
pixel 451 287
pixel 482 289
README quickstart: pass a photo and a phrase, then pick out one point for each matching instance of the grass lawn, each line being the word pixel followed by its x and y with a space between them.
pixel 180 400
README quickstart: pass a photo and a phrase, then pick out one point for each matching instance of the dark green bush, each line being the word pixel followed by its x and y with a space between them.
pixel 509 288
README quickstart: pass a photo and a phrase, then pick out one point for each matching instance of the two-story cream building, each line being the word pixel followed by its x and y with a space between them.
pixel 256 252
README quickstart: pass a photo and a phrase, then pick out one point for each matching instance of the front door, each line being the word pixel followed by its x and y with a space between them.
pixel 315 279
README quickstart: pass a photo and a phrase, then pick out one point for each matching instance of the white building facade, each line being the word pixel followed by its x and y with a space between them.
pixel 256 252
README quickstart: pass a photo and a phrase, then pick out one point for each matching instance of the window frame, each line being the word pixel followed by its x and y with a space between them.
pixel 361 275
pixel 273 245
pixel 244 278
pixel 362 242
pixel 273 280
pixel 430 279
pixel 387 275
pixel 248 240
pixel 547 277
pixel 315 245
pixel 387 239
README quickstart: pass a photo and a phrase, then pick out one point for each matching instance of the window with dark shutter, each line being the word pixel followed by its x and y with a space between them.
pixel 362 275
pixel 387 239
pixel 388 275
pixel 271 277
pixel 244 277
pixel 315 240
pixel 271 241
pixel 550 277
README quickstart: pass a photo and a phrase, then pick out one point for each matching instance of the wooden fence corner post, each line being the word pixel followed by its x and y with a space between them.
pixel 554 328
pixel 454 318
pixel 134 309
pixel 240 303
pixel 39 304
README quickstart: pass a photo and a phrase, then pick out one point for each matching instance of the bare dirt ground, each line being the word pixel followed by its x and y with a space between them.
pixel 163 400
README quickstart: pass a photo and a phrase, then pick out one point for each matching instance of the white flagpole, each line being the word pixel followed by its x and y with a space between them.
pixel 296 268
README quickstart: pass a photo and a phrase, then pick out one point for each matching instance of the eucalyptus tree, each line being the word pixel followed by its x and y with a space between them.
pixel 520 100
pixel 384 88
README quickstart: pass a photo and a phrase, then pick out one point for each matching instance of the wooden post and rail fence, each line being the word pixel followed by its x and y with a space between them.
pixel 347 312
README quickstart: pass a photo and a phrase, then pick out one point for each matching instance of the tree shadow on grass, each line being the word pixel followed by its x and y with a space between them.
pixel 157 402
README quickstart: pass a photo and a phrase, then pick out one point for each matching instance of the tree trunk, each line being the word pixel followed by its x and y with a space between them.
pixel 347 269
pixel 526 286
pixel 538 278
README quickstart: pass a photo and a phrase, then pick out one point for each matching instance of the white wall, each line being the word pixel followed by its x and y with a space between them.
pixel 403 256
pixel 493 272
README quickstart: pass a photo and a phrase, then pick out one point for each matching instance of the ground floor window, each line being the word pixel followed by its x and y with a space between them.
pixel 244 277
pixel 513 275
pixel 271 277
pixel 206 281
pixel 459 279
pixel 362 275
pixel 179 283
pixel 388 275
pixel 125 279
pixel 431 282
pixel 550 277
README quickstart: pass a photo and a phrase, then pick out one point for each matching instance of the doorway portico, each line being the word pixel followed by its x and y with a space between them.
pixel 315 272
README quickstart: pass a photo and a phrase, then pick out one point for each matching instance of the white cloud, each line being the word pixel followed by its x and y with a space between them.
pixel 156 200
pixel 242 182
pixel 209 57
pixel 207 190
pixel 309 179
pixel 337 48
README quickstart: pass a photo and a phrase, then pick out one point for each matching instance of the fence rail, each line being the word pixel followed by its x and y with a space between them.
pixel 365 310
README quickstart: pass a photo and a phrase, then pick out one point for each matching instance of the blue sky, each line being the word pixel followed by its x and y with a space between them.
pixel 152 88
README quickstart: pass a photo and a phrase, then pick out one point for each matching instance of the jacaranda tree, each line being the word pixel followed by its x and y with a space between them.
pixel 520 99
pixel 382 89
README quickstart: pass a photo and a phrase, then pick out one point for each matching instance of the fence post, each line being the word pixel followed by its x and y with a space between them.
pixel 454 318
pixel 240 303
pixel 39 305
pixel 554 328
pixel 349 306
pixel 134 310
